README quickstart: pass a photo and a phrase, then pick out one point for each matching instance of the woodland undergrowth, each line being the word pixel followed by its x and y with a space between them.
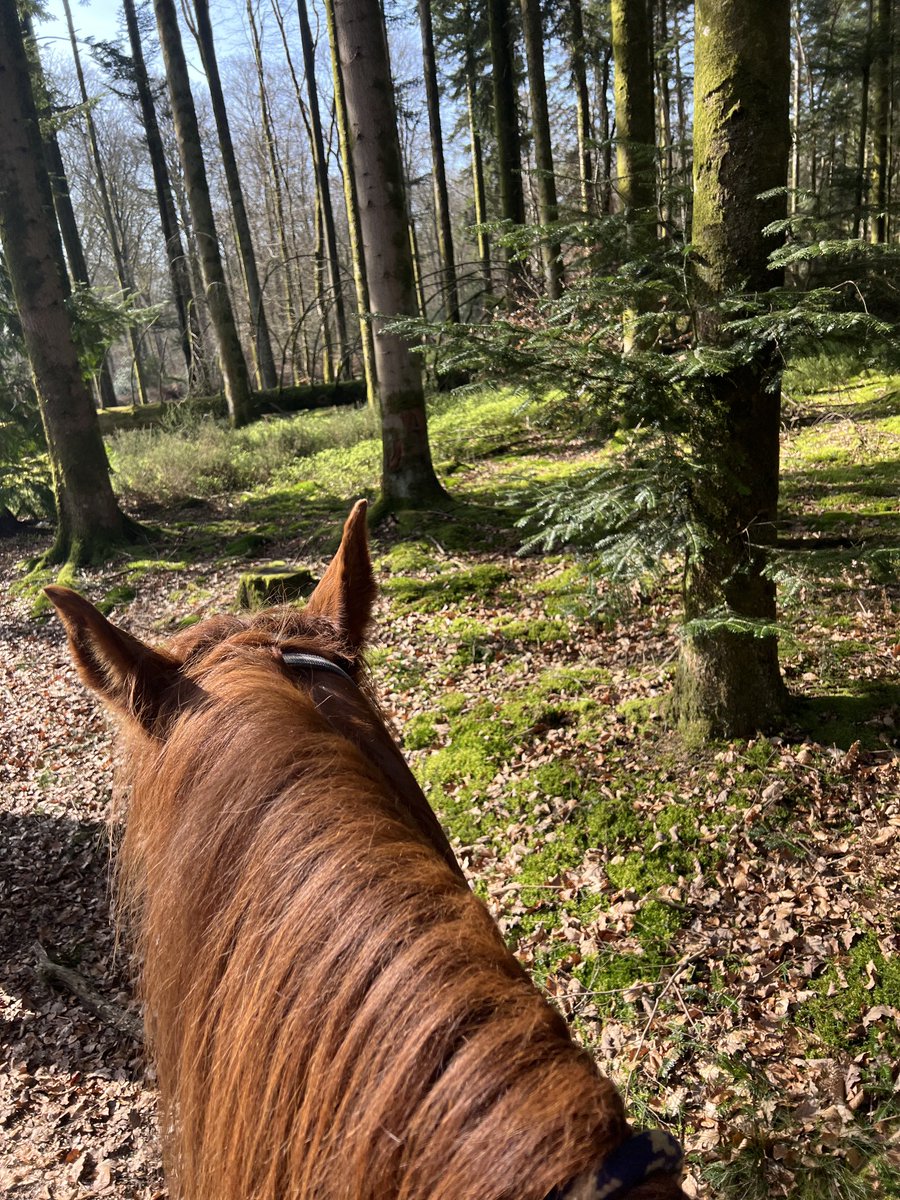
pixel 720 921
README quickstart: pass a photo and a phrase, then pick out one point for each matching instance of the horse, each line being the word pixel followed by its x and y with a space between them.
pixel 332 1012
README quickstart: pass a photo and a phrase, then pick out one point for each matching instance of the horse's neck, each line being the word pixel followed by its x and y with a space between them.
pixel 354 719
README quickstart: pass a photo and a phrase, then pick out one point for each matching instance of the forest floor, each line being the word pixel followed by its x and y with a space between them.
pixel 719 921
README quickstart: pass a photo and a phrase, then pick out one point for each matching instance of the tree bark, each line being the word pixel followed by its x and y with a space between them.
pixel 635 120
pixel 408 478
pixel 508 145
pixel 860 192
pixel 881 120
pixel 442 219
pixel 187 132
pixel 89 520
pixel 62 202
pixel 478 188
pixel 728 681
pixel 548 210
pixel 351 202
pixel 179 270
pixel 276 184
pixel 320 165
pixel 632 42
pixel 265 358
pixel 123 271
pixel 582 106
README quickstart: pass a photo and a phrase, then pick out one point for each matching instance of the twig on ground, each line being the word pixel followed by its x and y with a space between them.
pixel 71 981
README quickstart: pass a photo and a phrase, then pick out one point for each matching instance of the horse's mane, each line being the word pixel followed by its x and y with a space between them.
pixel 332 1012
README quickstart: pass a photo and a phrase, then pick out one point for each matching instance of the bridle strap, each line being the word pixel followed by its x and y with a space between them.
pixel 315 662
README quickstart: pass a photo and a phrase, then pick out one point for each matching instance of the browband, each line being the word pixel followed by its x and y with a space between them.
pixel 296 658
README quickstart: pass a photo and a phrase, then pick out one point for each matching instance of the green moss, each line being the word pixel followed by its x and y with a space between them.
pixel 408 556
pixel 419 732
pixel 117 597
pixel 836 1019
pixel 453 587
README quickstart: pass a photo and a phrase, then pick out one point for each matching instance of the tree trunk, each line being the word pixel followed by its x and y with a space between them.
pixel 859 196
pixel 602 70
pixel 265 358
pixel 728 680
pixel 632 42
pixel 65 212
pixel 478 188
pixel 179 270
pixel 123 271
pixel 187 132
pixel 442 220
pixel 508 146
pixel 276 182
pixel 635 119
pixel 881 120
pixel 408 478
pixel 89 520
pixel 351 202
pixel 582 106
pixel 320 166
pixel 667 165
pixel 548 211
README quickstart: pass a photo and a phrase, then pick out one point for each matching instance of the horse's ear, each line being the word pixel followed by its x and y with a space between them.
pixel 131 677
pixel 346 591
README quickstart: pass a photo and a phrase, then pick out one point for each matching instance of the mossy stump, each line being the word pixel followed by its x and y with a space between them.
pixel 274 583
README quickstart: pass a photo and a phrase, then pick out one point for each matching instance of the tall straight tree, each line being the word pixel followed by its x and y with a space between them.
pixel 632 46
pixel 265 359
pixel 179 269
pixel 123 269
pixel 62 199
pixel 276 186
pixel 323 187
pixel 408 479
pixel 728 679
pixel 351 204
pixel 882 49
pixel 89 520
pixel 190 150
pixel 508 142
pixel 548 211
pixel 442 197
pixel 582 104
pixel 439 173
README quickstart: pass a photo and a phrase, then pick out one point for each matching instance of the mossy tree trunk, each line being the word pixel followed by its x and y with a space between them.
pixel 179 269
pixel 507 140
pixel 408 479
pixel 632 47
pixel 262 341
pixel 443 224
pixel 728 680
pixel 190 150
pixel 351 202
pixel 548 210
pixel 89 520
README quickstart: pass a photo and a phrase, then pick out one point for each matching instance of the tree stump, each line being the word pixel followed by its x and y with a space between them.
pixel 274 583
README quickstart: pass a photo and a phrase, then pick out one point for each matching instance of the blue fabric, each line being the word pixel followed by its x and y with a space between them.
pixel 642 1155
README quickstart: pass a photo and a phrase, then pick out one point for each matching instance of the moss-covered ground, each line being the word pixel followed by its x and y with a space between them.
pixel 720 922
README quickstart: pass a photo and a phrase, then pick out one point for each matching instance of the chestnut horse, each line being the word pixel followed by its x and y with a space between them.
pixel 332 1012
